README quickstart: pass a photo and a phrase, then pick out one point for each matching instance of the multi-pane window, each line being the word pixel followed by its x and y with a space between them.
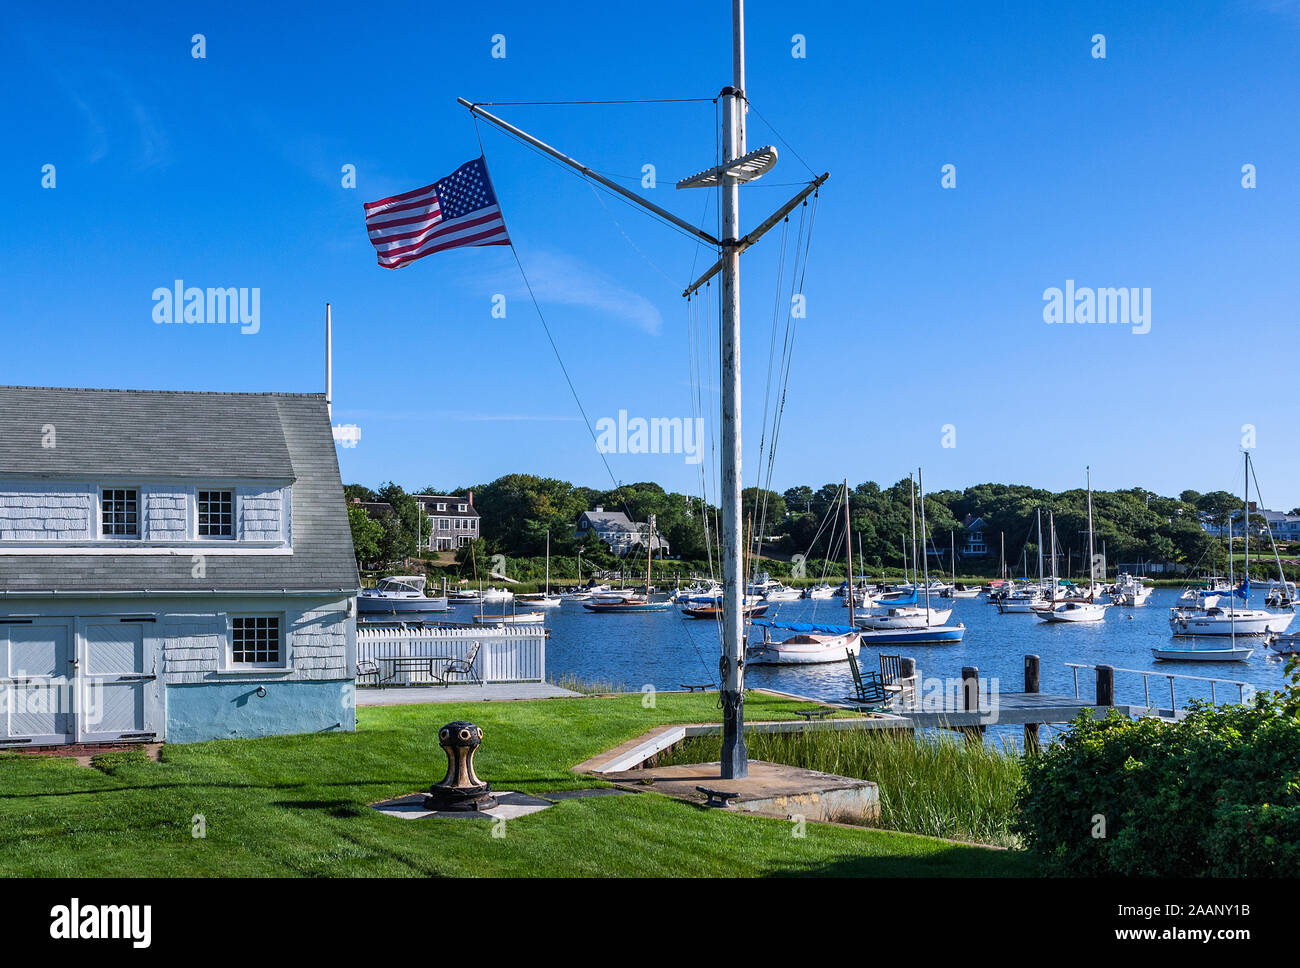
pixel 216 514
pixel 255 640
pixel 120 511
pixel 462 508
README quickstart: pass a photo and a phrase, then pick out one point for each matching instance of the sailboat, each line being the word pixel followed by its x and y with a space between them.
pixel 906 612
pixel 631 602
pixel 1207 617
pixel 813 643
pixel 546 599
pixel 1025 597
pixel 1212 653
pixel 1086 609
pixel 907 625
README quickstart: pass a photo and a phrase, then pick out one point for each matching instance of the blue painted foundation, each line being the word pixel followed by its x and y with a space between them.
pixel 228 710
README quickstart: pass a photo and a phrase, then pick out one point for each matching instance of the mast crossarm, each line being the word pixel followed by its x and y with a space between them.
pixel 750 238
pixel 587 172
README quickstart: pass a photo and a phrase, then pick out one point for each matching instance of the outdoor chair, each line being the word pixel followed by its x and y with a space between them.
pixel 368 667
pixel 869 688
pixel 462 667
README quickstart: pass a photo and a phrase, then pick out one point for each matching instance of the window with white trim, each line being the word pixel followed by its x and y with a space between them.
pixel 120 512
pixel 216 514
pixel 442 507
pixel 255 641
pixel 462 508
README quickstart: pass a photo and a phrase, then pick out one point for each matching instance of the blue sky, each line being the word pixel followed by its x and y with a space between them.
pixel 924 305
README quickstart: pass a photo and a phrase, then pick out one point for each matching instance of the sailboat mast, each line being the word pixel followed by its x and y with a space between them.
pixel 649 552
pixel 925 564
pixel 1038 517
pixel 911 481
pixel 848 549
pixel 1092 576
pixel 1245 529
pixel 1051 521
pixel 548 563
pixel 735 762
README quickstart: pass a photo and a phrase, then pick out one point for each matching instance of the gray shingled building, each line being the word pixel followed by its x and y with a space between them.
pixel 173 565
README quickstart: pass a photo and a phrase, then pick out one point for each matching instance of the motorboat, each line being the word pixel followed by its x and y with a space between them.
pixel 782 593
pixel 511 618
pixel 495 596
pixel 399 595
pixel 1208 653
pixel 812 644
pixel 819 592
pixel 1280 594
pixel 1130 591
pixel 1284 643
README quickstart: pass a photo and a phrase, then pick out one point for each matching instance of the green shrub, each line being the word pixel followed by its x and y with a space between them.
pixel 1217 794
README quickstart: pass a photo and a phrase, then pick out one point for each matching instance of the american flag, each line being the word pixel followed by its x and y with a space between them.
pixel 460 209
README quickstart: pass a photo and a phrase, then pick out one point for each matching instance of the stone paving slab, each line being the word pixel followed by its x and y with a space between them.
pixel 509 806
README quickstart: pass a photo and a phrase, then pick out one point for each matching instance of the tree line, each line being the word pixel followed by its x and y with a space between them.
pixel 518 510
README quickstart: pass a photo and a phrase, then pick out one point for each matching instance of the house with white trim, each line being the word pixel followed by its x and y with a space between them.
pixel 173 566
pixel 621 535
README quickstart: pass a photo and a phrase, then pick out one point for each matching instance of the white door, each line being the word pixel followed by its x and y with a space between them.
pixel 118 685
pixel 37 668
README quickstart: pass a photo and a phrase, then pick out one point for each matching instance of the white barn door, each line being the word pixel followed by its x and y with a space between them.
pixel 37 668
pixel 118 698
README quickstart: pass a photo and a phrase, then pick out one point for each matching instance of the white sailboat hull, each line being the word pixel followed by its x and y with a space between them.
pixel 1252 621
pixel 813 649
pixel 1072 612
pixel 906 618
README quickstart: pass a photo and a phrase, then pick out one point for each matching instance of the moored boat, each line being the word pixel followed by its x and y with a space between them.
pixel 399 595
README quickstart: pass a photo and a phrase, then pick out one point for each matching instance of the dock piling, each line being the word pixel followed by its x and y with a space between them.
pixel 1105 685
pixel 1031 685
pixel 970 687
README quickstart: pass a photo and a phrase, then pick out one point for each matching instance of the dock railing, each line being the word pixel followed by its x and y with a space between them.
pixel 506 653
pixel 1147 674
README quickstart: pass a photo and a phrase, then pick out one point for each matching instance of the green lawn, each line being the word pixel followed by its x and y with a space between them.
pixel 297 805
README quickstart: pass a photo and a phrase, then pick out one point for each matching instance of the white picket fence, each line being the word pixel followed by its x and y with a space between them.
pixel 505 654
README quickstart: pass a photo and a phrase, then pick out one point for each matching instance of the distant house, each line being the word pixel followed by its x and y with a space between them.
pixel 173 566
pixel 974 545
pixel 375 509
pixel 1284 527
pixel 453 519
pixel 622 535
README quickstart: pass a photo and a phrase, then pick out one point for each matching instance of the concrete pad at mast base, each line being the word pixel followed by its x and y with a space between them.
pixel 770 790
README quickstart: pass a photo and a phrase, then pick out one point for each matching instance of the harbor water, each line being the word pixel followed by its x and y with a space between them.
pixel 667 650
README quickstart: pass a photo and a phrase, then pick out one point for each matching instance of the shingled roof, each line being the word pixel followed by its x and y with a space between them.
pixel 272 437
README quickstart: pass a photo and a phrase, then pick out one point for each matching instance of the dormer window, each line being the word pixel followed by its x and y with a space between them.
pixel 216 514
pixel 120 512
pixel 442 507
pixel 462 508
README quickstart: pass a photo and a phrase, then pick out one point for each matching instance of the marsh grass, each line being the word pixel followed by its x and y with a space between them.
pixel 930 785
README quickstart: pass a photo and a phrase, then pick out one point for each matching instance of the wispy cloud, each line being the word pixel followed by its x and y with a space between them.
pixel 108 105
pixel 1288 10
pixel 454 416
pixel 562 280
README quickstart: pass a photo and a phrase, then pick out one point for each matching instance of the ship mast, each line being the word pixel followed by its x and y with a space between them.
pixel 738 166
